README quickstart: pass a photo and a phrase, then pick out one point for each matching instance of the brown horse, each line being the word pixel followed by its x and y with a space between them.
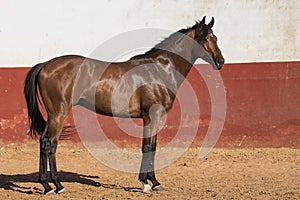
pixel 144 87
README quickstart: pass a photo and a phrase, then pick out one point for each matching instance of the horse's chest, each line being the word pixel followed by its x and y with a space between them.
pixel 157 95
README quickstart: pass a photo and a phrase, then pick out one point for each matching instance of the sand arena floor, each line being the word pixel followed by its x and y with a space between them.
pixel 270 173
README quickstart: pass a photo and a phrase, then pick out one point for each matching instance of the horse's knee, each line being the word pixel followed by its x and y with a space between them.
pixel 148 148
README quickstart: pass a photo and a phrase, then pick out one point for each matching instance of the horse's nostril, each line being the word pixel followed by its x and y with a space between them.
pixel 220 62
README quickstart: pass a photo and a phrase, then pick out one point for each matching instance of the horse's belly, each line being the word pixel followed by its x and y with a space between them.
pixel 117 106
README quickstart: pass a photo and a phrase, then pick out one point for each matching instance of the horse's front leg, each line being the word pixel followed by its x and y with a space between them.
pixel 148 149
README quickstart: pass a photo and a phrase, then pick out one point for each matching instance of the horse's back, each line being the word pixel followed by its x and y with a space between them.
pixel 72 80
pixel 58 77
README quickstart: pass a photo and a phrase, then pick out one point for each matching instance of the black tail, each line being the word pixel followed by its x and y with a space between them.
pixel 36 121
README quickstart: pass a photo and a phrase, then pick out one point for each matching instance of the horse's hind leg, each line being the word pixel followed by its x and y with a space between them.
pixel 44 152
pixel 56 127
pixel 48 146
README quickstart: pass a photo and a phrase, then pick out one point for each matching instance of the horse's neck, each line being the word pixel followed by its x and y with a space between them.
pixel 180 52
pixel 176 59
pixel 181 59
pixel 182 65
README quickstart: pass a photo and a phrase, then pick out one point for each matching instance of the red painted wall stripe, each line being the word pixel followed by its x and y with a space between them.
pixel 263 107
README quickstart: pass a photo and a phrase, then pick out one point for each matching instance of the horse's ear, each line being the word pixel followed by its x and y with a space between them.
pixel 202 22
pixel 211 23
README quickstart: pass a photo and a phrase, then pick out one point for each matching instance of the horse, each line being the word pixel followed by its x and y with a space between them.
pixel 147 93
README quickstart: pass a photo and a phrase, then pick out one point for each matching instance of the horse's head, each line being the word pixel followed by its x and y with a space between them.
pixel 208 49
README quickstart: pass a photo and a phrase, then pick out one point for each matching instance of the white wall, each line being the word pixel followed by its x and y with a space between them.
pixel 32 31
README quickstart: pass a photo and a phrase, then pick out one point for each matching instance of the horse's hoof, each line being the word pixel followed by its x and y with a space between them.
pixel 51 192
pixel 147 188
pixel 61 191
pixel 158 188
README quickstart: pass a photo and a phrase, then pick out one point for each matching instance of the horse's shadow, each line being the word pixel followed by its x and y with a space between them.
pixel 10 182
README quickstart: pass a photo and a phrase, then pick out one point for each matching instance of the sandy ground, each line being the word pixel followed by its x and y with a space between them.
pixel 222 174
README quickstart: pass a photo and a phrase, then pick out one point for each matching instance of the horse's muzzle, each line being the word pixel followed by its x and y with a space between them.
pixel 218 63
